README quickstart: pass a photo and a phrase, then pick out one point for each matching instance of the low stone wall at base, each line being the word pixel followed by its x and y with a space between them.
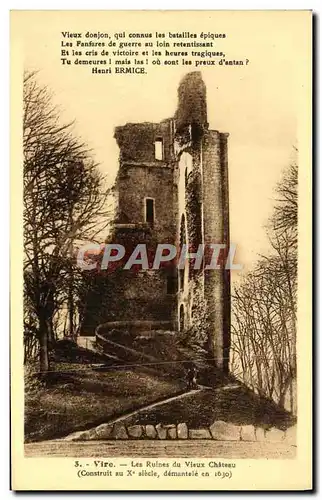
pixel 219 431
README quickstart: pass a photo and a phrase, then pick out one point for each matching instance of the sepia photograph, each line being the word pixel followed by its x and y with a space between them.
pixel 162 171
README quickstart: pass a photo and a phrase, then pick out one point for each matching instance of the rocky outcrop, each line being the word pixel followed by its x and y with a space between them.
pixel 150 432
pixel 172 432
pixel 161 431
pixel 135 431
pixel 199 434
pixel 104 431
pixel 225 431
pixel 182 430
pixel 119 432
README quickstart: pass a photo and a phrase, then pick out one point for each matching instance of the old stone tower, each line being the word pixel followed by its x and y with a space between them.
pixel 172 187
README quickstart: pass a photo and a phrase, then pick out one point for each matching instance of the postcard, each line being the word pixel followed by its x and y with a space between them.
pixel 161 323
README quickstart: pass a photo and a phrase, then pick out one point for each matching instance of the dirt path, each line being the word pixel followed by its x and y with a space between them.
pixel 154 405
pixel 145 409
pixel 151 407
pixel 172 399
pixel 189 448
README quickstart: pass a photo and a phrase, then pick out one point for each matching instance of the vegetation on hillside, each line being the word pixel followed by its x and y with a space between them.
pixel 264 306
pixel 64 206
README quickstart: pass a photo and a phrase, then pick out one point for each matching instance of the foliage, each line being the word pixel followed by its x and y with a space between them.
pixel 64 205
pixel 264 307
pixel 81 398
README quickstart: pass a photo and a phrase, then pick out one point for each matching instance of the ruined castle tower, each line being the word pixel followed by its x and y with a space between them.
pixel 203 198
pixel 172 187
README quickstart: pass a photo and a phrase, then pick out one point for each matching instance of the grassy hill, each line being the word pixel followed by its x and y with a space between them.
pixel 77 396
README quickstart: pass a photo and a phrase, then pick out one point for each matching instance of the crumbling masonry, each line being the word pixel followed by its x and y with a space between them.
pixel 172 187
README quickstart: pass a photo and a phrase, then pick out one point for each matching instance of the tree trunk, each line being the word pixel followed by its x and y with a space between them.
pixel 71 315
pixel 50 331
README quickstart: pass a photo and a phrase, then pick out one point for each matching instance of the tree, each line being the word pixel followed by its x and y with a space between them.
pixel 285 216
pixel 64 205
pixel 264 306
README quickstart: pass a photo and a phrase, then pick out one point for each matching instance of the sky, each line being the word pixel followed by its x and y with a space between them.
pixel 256 104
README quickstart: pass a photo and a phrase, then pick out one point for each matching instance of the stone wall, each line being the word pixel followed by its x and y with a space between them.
pixel 138 182
pixel 218 431
pixel 136 141
pixel 216 230
pixel 189 187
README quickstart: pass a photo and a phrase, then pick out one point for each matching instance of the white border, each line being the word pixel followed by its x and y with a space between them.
pixel 4 185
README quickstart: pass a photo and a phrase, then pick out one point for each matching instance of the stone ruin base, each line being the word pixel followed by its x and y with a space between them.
pixel 219 431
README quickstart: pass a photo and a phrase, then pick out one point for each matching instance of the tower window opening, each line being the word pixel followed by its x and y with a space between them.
pixel 158 149
pixel 149 211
